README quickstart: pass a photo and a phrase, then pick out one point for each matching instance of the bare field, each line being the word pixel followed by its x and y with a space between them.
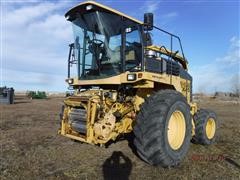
pixel 31 148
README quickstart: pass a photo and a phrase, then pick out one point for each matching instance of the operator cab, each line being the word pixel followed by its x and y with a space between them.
pixel 108 43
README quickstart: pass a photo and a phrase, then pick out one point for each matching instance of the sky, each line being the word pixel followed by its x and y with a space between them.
pixel 35 37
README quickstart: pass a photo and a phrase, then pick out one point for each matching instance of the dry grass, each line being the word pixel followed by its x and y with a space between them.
pixel 31 148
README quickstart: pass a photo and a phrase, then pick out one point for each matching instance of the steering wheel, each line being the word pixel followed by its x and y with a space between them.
pixel 97 42
pixel 95 45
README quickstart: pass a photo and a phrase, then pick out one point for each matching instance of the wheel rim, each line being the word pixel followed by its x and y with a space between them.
pixel 210 128
pixel 176 130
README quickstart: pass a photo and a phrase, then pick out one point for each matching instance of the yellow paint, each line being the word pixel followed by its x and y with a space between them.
pixel 210 128
pixel 140 97
pixel 194 108
pixel 146 83
pixel 176 130
pixel 107 9
pixel 147 80
pixel 125 126
pixel 91 104
pixel 90 100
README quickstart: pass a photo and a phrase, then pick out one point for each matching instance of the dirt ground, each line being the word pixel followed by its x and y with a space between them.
pixel 31 148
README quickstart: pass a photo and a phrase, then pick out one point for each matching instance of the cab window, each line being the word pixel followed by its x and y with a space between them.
pixel 133 49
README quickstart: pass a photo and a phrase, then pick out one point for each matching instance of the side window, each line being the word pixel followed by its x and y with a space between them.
pixel 132 36
pixel 133 53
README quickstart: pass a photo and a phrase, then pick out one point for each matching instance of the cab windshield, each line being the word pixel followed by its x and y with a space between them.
pixel 98 45
pixel 98 40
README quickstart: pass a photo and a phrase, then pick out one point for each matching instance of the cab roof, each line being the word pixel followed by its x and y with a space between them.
pixel 97 6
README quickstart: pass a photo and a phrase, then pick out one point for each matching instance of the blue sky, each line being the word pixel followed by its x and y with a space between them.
pixel 35 38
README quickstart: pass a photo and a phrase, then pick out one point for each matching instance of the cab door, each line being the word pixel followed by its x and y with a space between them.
pixel 133 49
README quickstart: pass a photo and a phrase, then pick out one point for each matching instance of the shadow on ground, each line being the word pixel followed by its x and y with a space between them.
pixel 118 166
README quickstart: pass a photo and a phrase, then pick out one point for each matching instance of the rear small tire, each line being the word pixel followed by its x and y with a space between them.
pixel 163 129
pixel 205 127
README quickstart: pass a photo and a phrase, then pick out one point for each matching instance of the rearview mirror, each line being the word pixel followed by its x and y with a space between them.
pixel 148 21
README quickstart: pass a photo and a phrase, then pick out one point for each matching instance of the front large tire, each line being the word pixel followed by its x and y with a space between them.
pixel 163 129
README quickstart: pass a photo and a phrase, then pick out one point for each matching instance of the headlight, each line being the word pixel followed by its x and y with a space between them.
pixel 89 7
pixel 70 81
pixel 131 77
